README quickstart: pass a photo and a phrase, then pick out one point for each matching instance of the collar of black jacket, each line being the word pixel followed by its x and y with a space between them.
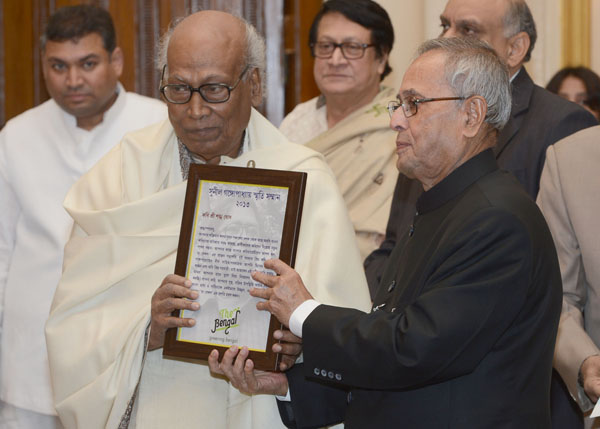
pixel 457 181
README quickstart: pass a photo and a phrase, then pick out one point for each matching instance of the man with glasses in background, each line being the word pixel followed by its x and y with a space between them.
pixel 351 41
pixel 461 332
pixel 114 303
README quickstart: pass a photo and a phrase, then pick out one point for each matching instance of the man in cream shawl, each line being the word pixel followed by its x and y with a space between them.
pixel 112 306
pixel 348 123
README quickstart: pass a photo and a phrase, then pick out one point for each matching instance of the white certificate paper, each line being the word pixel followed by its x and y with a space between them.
pixel 236 228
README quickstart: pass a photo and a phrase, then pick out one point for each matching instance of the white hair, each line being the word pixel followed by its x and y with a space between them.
pixel 473 68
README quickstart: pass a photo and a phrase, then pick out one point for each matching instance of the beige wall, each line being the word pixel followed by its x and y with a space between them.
pixel 546 57
pixel 404 15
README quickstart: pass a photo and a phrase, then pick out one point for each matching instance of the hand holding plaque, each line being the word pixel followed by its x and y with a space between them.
pixel 236 366
pixel 234 219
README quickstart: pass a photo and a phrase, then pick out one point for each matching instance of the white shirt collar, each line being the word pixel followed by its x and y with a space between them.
pixel 515 75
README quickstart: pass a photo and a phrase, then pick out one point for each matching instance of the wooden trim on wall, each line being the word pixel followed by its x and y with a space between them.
pixel 18 57
pixel 40 19
pixel 576 32
pixel 126 20
pixel 2 65
pixel 149 36
pixel 300 85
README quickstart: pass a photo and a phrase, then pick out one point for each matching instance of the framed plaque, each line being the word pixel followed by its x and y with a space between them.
pixel 234 219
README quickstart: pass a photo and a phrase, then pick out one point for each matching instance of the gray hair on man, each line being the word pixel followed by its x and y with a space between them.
pixel 255 50
pixel 518 18
pixel 473 68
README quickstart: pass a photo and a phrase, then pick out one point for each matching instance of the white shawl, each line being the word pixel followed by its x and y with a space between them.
pixel 127 213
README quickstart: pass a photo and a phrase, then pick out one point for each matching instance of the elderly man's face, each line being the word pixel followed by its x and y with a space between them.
pixel 81 76
pixel 211 130
pixel 429 144
pixel 482 19
pixel 338 75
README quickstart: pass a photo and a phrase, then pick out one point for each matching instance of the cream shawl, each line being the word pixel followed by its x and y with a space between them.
pixel 127 213
pixel 361 151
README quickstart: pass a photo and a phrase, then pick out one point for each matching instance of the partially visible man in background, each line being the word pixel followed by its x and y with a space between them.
pixel 42 153
pixel 570 202
pixel 538 118
pixel 351 41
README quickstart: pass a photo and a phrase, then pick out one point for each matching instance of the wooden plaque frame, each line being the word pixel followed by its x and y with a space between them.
pixel 296 184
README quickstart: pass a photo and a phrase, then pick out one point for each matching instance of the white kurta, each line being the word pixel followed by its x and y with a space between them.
pixel 42 153
pixel 127 211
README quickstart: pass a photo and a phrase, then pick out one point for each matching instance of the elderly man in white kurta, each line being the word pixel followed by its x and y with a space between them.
pixel 42 153
pixel 113 304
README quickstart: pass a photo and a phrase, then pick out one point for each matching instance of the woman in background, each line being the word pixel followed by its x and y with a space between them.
pixel 579 85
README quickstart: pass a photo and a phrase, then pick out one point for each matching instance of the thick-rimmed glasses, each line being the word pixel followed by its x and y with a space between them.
pixel 409 107
pixel 350 50
pixel 181 93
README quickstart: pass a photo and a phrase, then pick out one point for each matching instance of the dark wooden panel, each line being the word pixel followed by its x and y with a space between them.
pixel 300 85
pixel 18 57
pixel 148 36
pixel 2 63
pixel 60 3
pixel 125 17
pixel 41 12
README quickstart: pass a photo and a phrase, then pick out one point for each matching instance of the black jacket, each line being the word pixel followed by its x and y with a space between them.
pixel 467 313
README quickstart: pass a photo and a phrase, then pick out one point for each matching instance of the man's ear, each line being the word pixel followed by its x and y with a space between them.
pixel 475 109
pixel 382 61
pixel 256 95
pixel 518 45
pixel 116 61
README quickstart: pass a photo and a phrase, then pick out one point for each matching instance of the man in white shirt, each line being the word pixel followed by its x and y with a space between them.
pixel 42 153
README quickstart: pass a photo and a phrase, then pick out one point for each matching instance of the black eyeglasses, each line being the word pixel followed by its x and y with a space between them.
pixel 181 93
pixel 350 50
pixel 409 107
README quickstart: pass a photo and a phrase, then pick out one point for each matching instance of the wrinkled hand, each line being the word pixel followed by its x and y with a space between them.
pixel 284 292
pixel 590 371
pixel 290 348
pixel 240 372
pixel 167 298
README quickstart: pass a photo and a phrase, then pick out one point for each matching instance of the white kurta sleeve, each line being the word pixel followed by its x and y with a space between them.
pixel 8 222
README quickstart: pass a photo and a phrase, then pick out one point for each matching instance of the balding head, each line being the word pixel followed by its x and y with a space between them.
pixel 212 48
pixel 506 25
pixel 254 44
pixel 209 37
